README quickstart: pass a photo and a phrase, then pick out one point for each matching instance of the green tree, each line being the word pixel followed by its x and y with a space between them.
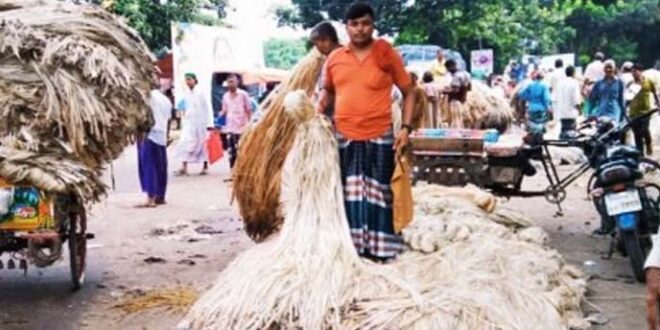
pixel 623 30
pixel 510 27
pixel 284 53
pixel 307 13
pixel 152 18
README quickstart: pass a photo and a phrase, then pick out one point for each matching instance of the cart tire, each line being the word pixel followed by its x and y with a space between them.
pixel 77 246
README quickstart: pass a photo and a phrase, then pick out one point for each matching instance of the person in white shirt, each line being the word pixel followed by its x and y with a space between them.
pixel 595 71
pixel 557 75
pixel 630 89
pixel 553 80
pixel 152 151
pixel 567 99
pixel 197 120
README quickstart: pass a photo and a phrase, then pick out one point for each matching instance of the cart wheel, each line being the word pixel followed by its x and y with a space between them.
pixel 77 246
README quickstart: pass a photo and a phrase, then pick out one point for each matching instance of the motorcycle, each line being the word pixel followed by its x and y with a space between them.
pixel 629 206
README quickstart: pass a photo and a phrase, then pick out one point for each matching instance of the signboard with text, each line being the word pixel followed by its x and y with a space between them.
pixel 482 62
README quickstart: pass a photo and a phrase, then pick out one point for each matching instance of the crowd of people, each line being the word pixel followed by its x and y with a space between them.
pixel 197 119
pixel 603 91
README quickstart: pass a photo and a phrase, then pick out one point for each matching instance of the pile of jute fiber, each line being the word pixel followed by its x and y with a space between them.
pixel 74 82
pixel 483 109
pixel 263 148
pixel 465 268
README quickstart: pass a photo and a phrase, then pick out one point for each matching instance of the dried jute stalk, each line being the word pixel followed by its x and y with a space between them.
pixel 74 82
pixel 258 169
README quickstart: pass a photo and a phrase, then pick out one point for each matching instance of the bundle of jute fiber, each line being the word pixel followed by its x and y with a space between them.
pixel 263 148
pixel 309 276
pixel 74 82
pixel 487 109
pixel 483 109
pixel 299 277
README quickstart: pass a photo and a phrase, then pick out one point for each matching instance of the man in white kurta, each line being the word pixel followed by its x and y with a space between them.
pixel 197 119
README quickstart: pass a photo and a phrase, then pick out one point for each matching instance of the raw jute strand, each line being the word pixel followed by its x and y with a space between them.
pixel 470 264
pixel 258 169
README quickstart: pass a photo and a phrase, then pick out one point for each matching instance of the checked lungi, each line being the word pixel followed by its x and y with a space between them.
pixel 366 170
pixel 536 122
pixel 152 165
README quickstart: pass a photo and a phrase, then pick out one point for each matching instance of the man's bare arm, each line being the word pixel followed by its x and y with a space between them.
pixel 408 104
pixel 327 98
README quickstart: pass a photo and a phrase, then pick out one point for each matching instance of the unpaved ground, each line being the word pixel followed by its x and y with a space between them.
pixel 127 236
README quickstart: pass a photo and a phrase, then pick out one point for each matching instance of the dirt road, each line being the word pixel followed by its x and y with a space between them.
pixel 191 239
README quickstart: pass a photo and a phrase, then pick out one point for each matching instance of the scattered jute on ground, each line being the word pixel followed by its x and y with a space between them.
pixel 258 169
pixel 173 300
pixel 466 267
pixel 74 82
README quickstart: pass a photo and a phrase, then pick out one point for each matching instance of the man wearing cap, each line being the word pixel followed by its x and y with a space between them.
pixel 197 118
pixel 594 71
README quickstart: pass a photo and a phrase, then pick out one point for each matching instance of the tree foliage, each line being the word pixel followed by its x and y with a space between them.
pixel 307 13
pixel 624 30
pixel 283 53
pixel 152 18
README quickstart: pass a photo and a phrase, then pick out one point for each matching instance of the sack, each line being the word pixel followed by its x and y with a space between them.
pixel 402 206
pixel 214 147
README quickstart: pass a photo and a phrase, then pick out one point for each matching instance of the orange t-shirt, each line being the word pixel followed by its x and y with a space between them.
pixel 363 90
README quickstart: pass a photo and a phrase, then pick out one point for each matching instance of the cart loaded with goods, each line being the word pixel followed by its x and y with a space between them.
pixel 74 86
pixel 455 157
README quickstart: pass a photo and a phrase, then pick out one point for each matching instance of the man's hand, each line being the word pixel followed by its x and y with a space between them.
pixel 652 295
pixel 402 139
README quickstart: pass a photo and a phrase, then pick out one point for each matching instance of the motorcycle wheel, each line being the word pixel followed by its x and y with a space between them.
pixel 635 252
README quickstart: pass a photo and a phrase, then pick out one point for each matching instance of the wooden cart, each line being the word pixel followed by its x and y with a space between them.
pixel 34 227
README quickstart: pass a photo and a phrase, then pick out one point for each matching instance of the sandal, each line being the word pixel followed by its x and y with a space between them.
pixel 147 205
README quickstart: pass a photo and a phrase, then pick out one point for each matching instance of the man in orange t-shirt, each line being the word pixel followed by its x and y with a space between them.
pixel 359 80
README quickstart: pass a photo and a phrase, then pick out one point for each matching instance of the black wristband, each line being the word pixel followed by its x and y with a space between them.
pixel 407 127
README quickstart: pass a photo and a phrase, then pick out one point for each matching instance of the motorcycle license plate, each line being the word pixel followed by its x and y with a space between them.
pixel 623 202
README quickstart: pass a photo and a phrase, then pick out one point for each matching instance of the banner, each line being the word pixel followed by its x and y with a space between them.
pixel 205 50
pixel 482 62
